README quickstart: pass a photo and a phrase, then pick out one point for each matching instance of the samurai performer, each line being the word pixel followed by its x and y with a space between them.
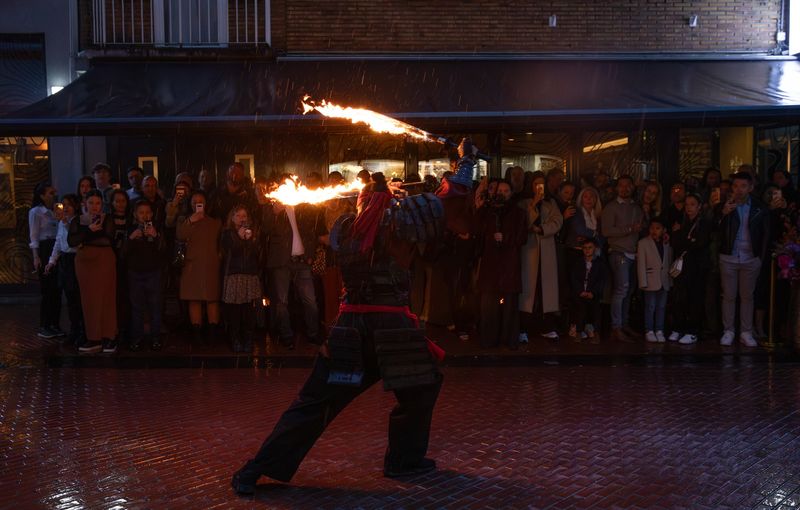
pixel 375 337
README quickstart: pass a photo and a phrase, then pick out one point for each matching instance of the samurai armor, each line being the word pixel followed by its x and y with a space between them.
pixel 346 357
pixel 403 357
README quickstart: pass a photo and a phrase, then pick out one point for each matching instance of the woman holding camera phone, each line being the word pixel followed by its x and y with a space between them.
pixel 95 267
pixel 200 282
pixel 241 283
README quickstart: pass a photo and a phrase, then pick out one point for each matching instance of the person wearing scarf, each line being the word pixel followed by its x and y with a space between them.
pixel 373 320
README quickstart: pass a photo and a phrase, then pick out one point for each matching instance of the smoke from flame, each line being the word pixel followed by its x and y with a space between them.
pixel 292 192
pixel 376 121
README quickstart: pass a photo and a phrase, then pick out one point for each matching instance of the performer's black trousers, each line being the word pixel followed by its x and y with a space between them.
pixel 319 403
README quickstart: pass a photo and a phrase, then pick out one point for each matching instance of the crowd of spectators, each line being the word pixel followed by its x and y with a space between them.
pixel 541 257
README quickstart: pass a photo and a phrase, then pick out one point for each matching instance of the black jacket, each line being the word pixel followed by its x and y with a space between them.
pixel 597 278
pixel 278 233
pixel 239 256
pixel 759 222
pixel 695 245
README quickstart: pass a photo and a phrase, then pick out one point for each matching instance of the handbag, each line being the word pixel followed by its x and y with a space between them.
pixel 677 266
pixel 319 265
pixel 179 257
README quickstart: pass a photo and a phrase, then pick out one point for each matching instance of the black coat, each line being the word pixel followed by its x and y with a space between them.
pixel 759 222
pixel 278 233
pixel 597 278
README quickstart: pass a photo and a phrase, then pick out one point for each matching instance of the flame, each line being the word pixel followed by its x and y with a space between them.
pixel 376 121
pixel 291 192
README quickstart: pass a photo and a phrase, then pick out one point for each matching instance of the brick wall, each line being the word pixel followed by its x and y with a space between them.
pixel 310 26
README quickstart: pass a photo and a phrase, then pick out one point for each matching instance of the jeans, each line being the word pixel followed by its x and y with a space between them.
pixel 738 278
pixel 145 293
pixel 68 282
pixel 621 269
pixel 655 307
pixel 280 278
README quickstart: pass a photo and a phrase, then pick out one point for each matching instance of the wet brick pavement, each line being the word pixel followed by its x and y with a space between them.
pixel 708 435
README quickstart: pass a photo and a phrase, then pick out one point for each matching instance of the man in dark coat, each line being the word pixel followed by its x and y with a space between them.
pixel 501 229
pixel 236 190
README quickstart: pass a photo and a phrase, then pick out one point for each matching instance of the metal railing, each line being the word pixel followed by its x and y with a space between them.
pixel 181 23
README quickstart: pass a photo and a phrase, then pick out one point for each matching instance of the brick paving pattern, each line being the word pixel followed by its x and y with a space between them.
pixel 710 435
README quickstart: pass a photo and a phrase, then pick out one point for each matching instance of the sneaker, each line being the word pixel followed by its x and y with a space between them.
pixel 553 335
pixel 688 339
pixel 660 337
pixel 674 336
pixel 424 466
pixel 109 346
pixel 155 343
pixel 523 338
pixel 58 331
pixel 650 337
pixel 91 347
pixel 46 332
pixel 135 344
pixel 747 339
pixel 727 338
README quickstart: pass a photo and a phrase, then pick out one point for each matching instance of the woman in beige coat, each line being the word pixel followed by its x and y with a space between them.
pixel 200 277
pixel 539 294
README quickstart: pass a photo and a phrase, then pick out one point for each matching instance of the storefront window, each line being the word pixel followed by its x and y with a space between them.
pixel 778 149
pixel 535 151
pixel 391 168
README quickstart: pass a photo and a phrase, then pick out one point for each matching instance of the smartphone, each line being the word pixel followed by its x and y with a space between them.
pixel 59 207
pixel 199 207
pixel 115 186
pixel 96 218
pixel 148 224
pixel 540 189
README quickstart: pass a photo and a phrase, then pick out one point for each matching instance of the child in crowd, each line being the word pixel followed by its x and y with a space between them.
pixel 143 254
pixel 241 285
pixel 63 257
pixel 586 290
pixel 654 257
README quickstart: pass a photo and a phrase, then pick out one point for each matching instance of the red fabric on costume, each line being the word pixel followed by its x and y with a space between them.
pixel 372 205
pixel 437 352
pixel 450 189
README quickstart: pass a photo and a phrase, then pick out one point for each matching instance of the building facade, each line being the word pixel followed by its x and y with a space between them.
pixel 651 88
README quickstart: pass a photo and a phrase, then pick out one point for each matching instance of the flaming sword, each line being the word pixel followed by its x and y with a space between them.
pixel 378 122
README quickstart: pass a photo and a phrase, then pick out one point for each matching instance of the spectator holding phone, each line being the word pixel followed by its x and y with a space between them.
pixel 95 266
pixel 151 194
pixel 744 225
pixel 120 214
pixel 85 185
pixel 144 249
pixel 62 261
pixel 200 278
pixel 43 227
pixel 241 283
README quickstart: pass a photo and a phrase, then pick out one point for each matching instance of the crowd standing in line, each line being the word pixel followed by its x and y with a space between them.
pixel 542 258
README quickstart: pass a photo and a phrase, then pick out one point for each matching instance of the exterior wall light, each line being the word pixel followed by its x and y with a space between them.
pixel 553 21
pixel 693 21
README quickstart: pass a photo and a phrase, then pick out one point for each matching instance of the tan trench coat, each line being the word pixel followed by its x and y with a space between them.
pixel 541 247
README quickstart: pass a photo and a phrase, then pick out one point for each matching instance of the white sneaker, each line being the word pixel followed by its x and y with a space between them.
pixel 747 339
pixel 552 335
pixel 660 337
pixel 687 339
pixel 523 338
pixel 674 336
pixel 727 338
pixel 650 337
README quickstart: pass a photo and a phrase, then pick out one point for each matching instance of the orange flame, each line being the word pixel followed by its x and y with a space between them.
pixel 291 192
pixel 376 121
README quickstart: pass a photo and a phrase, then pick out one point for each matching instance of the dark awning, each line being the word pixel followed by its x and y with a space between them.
pixel 125 96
